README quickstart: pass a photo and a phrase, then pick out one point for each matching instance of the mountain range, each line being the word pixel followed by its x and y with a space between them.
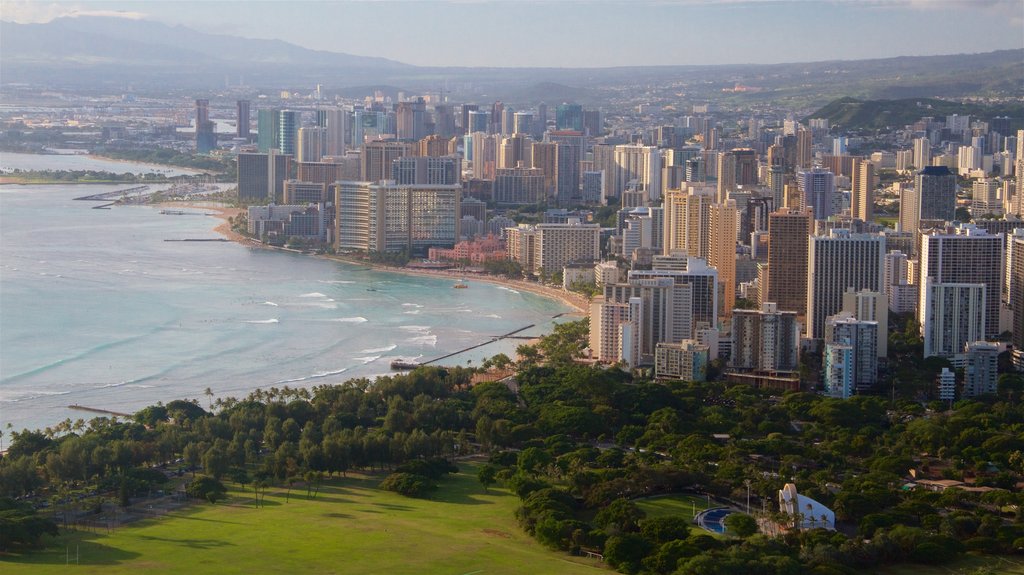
pixel 104 53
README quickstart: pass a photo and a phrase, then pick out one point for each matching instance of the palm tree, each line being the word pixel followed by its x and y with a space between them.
pixel 209 397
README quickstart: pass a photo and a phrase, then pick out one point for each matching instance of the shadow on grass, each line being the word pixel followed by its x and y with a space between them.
pixel 394 507
pixel 190 543
pixel 72 546
pixel 337 515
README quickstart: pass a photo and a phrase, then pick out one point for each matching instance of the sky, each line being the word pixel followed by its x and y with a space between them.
pixel 586 33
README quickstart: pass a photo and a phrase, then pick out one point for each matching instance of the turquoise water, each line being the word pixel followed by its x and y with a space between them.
pixel 97 309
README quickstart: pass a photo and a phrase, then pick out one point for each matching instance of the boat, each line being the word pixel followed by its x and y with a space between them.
pixel 460 286
pixel 371 289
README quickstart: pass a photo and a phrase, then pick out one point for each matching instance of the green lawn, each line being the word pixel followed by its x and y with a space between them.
pixel 352 527
pixel 683 505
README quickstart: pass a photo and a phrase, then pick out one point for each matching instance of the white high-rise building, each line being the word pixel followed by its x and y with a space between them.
pixel 981 371
pixel 963 254
pixel 856 369
pixel 951 314
pixel 836 263
pixel 640 164
pixel 922 153
pixel 817 189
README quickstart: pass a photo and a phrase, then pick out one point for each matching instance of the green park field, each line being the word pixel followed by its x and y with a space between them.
pixel 350 527
pixel 680 505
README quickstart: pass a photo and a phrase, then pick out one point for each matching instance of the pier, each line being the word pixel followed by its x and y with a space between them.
pixel 114 195
pixel 400 365
pixel 98 410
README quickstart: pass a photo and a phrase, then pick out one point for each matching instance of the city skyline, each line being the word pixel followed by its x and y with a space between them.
pixel 585 33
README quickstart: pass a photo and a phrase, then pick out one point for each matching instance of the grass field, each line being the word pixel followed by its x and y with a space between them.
pixel 351 527
pixel 682 505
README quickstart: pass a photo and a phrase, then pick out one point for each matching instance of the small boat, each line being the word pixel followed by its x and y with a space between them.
pixel 460 286
pixel 371 289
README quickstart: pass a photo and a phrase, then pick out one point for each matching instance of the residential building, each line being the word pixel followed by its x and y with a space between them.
pixel 836 263
pixel 686 361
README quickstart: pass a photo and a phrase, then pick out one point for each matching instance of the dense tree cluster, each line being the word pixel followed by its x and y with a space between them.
pixel 580 445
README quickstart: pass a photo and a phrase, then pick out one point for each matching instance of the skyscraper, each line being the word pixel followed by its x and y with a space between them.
pixel 936 194
pixel 726 176
pixel 206 138
pixel 722 219
pixel 642 164
pixel 267 124
pixel 766 340
pixel 789 231
pixel 862 190
pixel 817 188
pixel 288 125
pixel 962 255
pixel 311 144
pixel 922 153
pixel 568 153
pixel 836 263
pixel 334 121
pixel 378 156
pixel 569 117
pixel 242 120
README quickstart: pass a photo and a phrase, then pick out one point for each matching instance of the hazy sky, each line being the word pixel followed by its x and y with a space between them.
pixel 588 32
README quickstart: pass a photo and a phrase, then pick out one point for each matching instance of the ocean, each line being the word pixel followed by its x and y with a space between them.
pixel 97 309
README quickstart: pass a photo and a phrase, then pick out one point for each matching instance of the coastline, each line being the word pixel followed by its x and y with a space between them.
pixel 577 302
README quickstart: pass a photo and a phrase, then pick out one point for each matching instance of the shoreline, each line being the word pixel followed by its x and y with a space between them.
pixel 577 302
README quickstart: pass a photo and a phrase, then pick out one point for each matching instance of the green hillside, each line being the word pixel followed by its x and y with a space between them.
pixel 854 114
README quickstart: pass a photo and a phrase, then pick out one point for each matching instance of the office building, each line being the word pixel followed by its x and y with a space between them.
pixel 334 121
pixel 568 154
pixel 836 263
pixel 312 143
pixel 288 124
pixel 411 120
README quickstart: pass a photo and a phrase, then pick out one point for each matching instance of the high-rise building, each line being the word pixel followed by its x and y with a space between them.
pixel 922 153
pixel 836 263
pixel 242 120
pixel 726 176
pixel 817 188
pixel 804 148
pixel 523 123
pixel 569 117
pixel 485 155
pixel 427 170
pixel 964 255
pixel 297 192
pixel 515 150
pixel 981 371
pixel 554 246
pixel 261 177
pixel 789 233
pixel 722 219
pixel 862 190
pixel 267 124
pixel 378 156
pixel 687 221
pixel 388 217
pixel 479 121
pixel 867 305
pixel 312 142
pixel 851 354
pixel 334 121
pixel 985 198
pixel 411 120
pixel 936 193
pixel 520 185
pixel 639 164
pixel 568 154
pixel 1016 293
pixel 288 125
pixel 765 340
pixel 206 137
pixel 686 361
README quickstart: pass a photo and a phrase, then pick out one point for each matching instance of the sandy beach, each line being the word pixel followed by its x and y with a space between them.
pixel 578 302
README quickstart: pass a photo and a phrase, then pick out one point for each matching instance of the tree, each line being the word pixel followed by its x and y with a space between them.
pixel 740 525
pixel 625 552
pixel 215 462
pixel 487 475
pixel 621 515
